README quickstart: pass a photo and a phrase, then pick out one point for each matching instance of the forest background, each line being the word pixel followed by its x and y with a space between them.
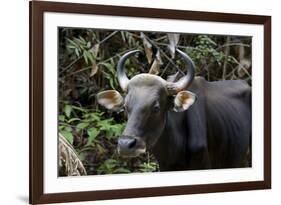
pixel 87 65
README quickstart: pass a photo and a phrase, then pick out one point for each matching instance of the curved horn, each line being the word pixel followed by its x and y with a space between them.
pixel 121 74
pixel 184 82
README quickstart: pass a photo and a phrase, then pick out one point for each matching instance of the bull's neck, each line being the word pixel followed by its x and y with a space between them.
pixel 169 147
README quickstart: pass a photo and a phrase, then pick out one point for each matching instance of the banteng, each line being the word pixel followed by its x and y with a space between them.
pixel 206 126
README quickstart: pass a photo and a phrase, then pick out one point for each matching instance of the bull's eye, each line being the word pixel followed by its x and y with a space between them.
pixel 156 108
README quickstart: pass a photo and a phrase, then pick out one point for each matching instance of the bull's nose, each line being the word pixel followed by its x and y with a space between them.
pixel 127 143
pixel 129 146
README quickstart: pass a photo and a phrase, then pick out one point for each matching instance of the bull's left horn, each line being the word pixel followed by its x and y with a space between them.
pixel 121 74
pixel 184 82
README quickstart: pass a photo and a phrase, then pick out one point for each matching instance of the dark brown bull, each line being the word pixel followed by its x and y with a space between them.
pixel 214 133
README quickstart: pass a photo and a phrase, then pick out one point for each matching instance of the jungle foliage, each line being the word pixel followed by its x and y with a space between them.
pixel 87 65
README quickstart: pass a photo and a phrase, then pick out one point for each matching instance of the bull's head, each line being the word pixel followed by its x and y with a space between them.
pixel 148 99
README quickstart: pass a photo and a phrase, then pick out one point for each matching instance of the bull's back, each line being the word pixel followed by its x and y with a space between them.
pixel 227 107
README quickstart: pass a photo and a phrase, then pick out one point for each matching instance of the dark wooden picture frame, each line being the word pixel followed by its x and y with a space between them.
pixel 37 10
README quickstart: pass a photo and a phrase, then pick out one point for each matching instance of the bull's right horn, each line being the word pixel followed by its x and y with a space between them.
pixel 121 74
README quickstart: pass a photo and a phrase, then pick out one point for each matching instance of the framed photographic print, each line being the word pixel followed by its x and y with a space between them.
pixel 135 102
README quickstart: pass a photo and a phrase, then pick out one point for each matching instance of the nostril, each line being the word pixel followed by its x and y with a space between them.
pixel 132 143
pixel 127 142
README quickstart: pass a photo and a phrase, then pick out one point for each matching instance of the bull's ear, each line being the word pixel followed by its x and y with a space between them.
pixel 183 100
pixel 111 99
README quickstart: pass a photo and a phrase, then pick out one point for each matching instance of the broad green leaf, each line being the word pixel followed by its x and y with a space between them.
pixel 121 170
pixel 82 156
pixel 78 40
pixel 72 42
pixel 85 57
pixel 61 127
pixel 82 125
pixel 71 46
pixel 95 116
pixel 69 129
pixel 88 44
pixel 82 40
pixel 68 136
pixel 61 118
pixel 73 120
pixel 93 133
pixel 107 166
pixel 90 56
pixel 77 52
pixel 67 110
pixel 110 163
pixel 111 82
pixel 79 108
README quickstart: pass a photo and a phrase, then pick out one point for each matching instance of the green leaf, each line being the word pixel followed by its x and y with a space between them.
pixel 73 119
pixel 110 163
pixel 82 156
pixel 68 136
pixel 61 118
pixel 71 46
pixel 67 110
pixel 95 116
pixel 82 40
pixel 90 56
pixel 109 67
pixel 69 129
pixel 111 82
pixel 77 52
pixel 93 133
pixel 148 167
pixel 88 44
pixel 79 108
pixel 85 57
pixel 82 125
pixel 78 40
pixel 72 42
pixel 121 170
pixel 107 167
pixel 61 127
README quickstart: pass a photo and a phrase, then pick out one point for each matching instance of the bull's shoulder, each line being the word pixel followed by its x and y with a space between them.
pixel 231 89
pixel 229 85
pixel 221 98
pixel 227 102
pixel 222 88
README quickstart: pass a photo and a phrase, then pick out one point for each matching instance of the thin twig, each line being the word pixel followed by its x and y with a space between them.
pixel 166 44
pixel 179 46
pixel 241 66
pixel 160 38
pixel 70 65
pixel 233 44
pixel 226 50
pixel 219 48
pixel 230 73
pixel 79 71
pixel 165 69
pixel 108 37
